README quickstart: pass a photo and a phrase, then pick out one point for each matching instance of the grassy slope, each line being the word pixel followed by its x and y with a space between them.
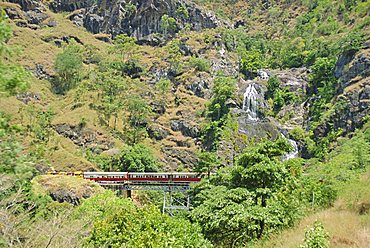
pixel 33 49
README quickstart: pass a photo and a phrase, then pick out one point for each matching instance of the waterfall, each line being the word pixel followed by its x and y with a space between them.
pixel 292 154
pixel 250 102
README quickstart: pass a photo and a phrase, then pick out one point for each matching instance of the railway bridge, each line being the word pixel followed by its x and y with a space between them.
pixel 173 184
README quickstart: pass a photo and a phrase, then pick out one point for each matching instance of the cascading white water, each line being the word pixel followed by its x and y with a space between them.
pixel 292 154
pixel 250 102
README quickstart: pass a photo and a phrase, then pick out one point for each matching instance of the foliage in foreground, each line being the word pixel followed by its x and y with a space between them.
pixel 118 222
pixel 254 198
pixel 316 237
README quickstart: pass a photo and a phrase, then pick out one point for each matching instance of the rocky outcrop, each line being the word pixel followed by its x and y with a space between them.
pixel 137 18
pixel 352 105
pixel 65 188
pixel 200 87
pixel 176 157
pixel 186 128
pixel 27 5
pixel 27 97
pixel 32 13
pixel 85 137
pixel 157 132
pixel 295 79
pixel 70 5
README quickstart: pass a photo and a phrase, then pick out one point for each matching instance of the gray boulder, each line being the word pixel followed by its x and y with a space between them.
pixel 185 128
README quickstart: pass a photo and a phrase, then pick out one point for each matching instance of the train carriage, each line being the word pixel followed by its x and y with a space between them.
pixel 106 176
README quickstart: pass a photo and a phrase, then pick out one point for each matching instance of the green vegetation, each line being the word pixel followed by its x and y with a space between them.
pixel 68 66
pixel 119 222
pixel 13 78
pixel 316 236
pixel 217 111
pixel 168 25
pixel 135 158
pixel 245 202
pixel 199 64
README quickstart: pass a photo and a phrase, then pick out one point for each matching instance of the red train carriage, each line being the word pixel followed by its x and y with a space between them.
pixel 140 177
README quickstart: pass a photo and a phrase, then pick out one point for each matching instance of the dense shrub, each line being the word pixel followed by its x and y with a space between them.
pixel 199 63
pixel 138 158
pixel 68 66
pixel 316 237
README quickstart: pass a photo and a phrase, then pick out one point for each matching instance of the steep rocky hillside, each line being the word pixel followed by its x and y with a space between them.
pixel 190 47
pixel 267 100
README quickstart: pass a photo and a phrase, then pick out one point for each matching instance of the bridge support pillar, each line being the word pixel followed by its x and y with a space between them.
pixel 129 193
pixel 173 202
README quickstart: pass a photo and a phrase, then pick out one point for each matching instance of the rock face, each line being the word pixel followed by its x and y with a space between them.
pixel 27 5
pixel 137 18
pixel 65 188
pixel 295 79
pixel 34 13
pixel 186 128
pixel 27 97
pixel 70 5
pixel 353 100
pixel 84 137
pixel 180 155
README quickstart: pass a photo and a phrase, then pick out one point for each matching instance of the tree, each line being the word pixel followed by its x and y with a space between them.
pixel 217 111
pixel 207 162
pixel 110 98
pixel 199 64
pixel 257 196
pixel 137 158
pixel 224 88
pixel 68 65
pixel 225 215
pixel 163 86
pixel 5 34
pixel 39 123
pixel 126 47
pixel 168 25
pixel 260 171
pixel 13 78
pixel 139 112
pixel 322 75
pixel 174 55
pixel 250 62
pixel 272 85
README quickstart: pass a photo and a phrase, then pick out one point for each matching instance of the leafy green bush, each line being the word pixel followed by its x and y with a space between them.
pixel 319 191
pixel 207 162
pixel 168 25
pixel 272 85
pixel 137 158
pixel 117 222
pixel 68 65
pixel 250 62
pixel 13 78
pixel 316 237
pixel 199 63
pixel 257 196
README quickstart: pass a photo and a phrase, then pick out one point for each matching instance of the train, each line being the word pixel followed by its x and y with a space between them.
pixel 136 177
